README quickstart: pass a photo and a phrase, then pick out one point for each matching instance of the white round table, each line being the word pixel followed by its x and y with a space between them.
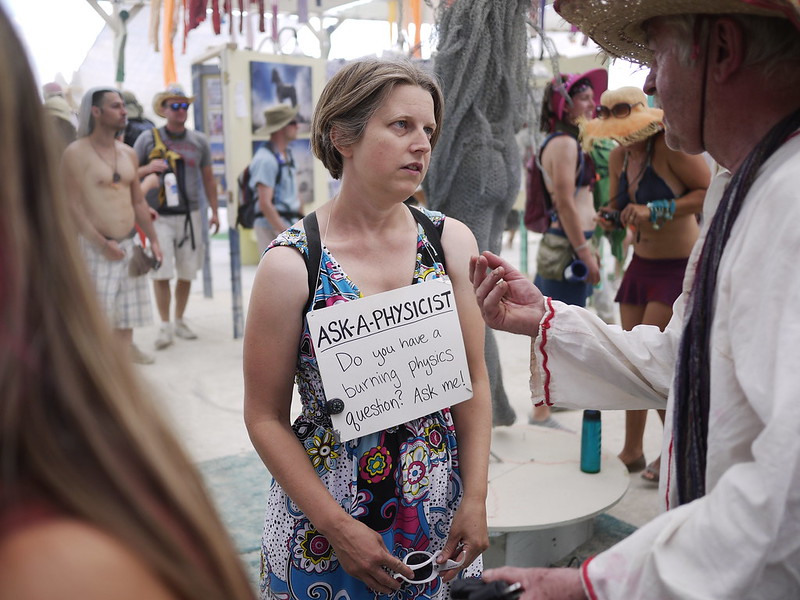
pixel 540 505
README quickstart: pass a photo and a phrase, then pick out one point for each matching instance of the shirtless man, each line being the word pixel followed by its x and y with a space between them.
pixel 103 188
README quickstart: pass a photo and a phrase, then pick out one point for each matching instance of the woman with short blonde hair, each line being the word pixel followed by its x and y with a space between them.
pixel 347 517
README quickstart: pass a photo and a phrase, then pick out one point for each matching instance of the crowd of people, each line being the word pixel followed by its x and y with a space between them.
pixel 96 491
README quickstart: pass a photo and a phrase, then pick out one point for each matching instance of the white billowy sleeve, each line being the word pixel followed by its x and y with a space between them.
pixel 579 361
pixel 742 539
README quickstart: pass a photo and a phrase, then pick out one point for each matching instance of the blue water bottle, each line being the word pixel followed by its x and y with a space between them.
pixel 591 436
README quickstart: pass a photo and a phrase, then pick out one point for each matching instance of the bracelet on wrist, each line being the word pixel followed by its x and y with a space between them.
pixel 661 210
pixel 581 246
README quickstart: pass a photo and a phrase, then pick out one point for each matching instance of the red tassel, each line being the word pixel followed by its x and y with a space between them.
pixel 215 17
pixel 262 26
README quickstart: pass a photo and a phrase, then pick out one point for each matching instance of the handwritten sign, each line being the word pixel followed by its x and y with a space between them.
pixel 391 357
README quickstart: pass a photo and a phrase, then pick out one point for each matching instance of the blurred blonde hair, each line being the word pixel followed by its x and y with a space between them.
pixel 76 427
pixel 353 95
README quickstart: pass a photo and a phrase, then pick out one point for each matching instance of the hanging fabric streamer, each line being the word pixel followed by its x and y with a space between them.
pixel 241 16
pixel 416 16
pixel 392 19
pixel 302 11
pixel 155 21
pixel 194 14
pixel 261 25
pixel 170 73
pixel 275 22
pixel 216 22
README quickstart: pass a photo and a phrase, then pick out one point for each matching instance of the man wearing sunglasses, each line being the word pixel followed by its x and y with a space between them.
pixel 179 223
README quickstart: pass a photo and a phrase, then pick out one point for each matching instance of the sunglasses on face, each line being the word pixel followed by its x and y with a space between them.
pixel 425 566
pixel 179 105
pixel 292 123
pixel 620 111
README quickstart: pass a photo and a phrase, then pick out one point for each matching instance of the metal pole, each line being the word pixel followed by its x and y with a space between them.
pixel 236 283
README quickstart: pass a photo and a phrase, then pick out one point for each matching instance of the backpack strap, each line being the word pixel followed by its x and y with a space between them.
pixel 314 243
pixel 159 149
pixel 432 233
pixel 281 163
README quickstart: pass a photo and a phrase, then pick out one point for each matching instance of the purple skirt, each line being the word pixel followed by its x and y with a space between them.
pixel 652 280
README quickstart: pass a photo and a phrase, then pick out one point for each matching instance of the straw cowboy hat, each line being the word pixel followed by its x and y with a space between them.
pixel 598 79
pixel 173 92
pixel 641 123
pixel 616 26
pixel 277 117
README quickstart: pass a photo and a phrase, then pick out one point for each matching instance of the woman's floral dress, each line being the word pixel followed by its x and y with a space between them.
pixel 402 482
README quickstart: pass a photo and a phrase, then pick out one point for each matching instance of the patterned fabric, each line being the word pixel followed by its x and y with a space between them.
pixel 125 299
pixel 402 482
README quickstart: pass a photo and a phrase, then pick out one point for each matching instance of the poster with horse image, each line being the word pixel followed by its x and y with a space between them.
pixel 274 83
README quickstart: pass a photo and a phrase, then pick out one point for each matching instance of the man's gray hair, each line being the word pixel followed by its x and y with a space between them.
pixel 90 98
pixel 772 43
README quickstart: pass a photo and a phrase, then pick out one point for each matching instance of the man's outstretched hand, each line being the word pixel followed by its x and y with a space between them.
pixel 541 584
pixel 507 299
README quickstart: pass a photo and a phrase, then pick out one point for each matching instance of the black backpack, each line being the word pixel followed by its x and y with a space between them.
pixel 248 200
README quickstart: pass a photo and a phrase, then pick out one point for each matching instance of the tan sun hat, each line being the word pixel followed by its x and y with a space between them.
pixel 616 26
pixel 132 106
pixel 59 107
pixel 641 123
pixel 277 117
pixel 173 92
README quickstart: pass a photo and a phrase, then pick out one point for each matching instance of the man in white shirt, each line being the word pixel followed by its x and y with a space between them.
pixel 726 368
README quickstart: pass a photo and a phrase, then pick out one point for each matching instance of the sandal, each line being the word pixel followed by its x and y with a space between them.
pixel 652 472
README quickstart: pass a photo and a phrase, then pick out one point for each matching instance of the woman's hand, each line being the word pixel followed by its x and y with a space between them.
pixel 468 533
pixel 593 264
pixel 635 214
pixel 608 219
pixel 362 553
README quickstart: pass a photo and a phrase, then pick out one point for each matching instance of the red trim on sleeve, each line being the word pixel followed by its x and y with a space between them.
pixel 669 470
pixel 544 327
pixel 587 583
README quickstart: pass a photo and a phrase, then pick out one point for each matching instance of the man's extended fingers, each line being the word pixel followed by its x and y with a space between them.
pixel 507 574
pixel 489 282
pixel 493 301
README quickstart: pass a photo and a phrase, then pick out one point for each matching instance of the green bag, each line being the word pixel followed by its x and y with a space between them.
pixel 555 254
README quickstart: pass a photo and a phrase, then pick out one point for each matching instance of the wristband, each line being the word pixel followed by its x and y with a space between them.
pixel 582 246
pixel 660 209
